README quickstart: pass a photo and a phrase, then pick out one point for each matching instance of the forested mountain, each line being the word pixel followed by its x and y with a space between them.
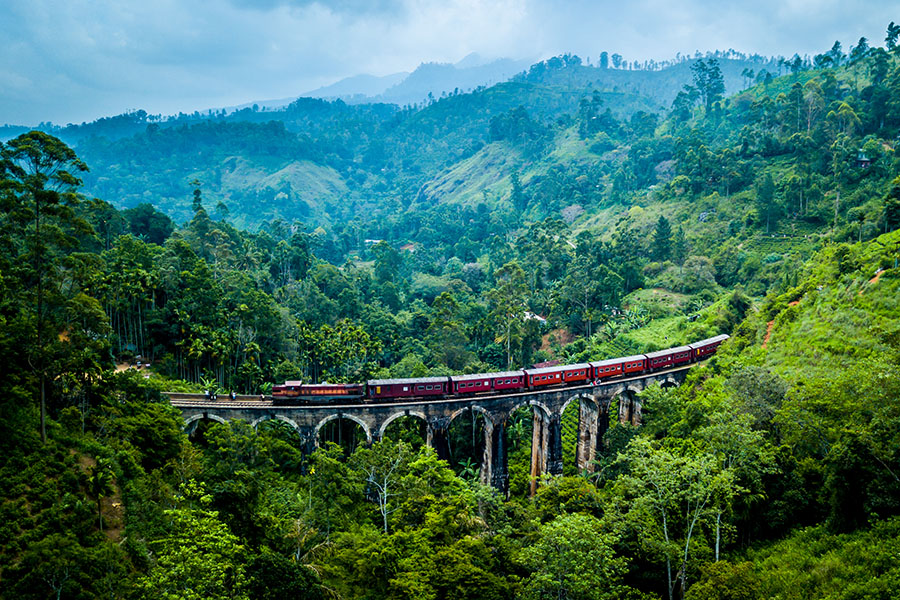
pixel 342 242
pixel 333 154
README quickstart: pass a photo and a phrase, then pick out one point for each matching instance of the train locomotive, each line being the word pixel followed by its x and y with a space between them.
pixel 427 388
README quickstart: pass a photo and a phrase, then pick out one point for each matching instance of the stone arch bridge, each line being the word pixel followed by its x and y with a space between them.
pixel 594 403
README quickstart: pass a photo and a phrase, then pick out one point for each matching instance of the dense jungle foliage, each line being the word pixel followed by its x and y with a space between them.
pixel 545 229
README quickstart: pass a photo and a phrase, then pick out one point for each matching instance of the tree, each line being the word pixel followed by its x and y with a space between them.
pixel 662 239
pixel 519 199
pixel 149 224
pixel 708 80
pixel 507 302
pixel 892 210
pixel 836 54
pixel 275 577
pixel 893 32
pixel 100 484
pixel 197 204
pixel 573 559
pixel 200 559
pixel 581 291
pixel 383 465
pixel 447 333
pixel 859 52
pixel 679 246
pixel 665 496
pixel 765 199
pixel 387 262
pixel 41 171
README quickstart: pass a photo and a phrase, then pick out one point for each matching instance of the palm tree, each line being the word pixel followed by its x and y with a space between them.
pixel 100 484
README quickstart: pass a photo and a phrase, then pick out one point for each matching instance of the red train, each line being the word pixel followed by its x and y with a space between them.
pixel 381 390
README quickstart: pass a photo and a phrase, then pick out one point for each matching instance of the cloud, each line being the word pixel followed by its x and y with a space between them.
pixel 75 60
pixel 353 8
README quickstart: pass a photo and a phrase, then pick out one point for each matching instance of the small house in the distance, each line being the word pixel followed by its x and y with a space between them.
pixel 863 161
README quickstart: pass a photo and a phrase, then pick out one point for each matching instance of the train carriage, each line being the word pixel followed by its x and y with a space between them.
pixel 288 389
pixel 407 388
pixel 670 357
pixel 487 382
pixel 291 392
pixel 616 367
pixel 543 377
pixel 577 372
pixel 707 347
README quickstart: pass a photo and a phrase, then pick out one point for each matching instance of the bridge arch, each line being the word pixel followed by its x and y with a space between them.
pixel 489 421
pixel 670 381
pixel 579 396
pixel 290 422
pixel 399 415
pixel 198 417
pixel 353 418
pixel 533 403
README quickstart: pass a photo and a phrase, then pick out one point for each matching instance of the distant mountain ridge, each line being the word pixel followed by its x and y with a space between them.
pixel 432 78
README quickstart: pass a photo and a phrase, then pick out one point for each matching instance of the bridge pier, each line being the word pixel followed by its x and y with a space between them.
pixel 629 408
pixel 494 471
pixel 540 437
pixel 554 445
pixel 587 435
pixel 436 437
pixel 602 422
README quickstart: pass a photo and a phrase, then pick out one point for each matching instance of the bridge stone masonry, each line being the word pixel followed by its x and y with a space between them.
pixel 594 402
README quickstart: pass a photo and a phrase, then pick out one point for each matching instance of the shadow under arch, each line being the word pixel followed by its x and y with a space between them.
pixel 282 418
pixel 399 415
pixel 190 422
pixel 579 396
pixel 465 451
pixel 336 416
pixel 668 383
pixel 534 404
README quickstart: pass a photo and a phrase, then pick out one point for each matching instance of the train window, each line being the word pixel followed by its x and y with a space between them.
pixel 405 388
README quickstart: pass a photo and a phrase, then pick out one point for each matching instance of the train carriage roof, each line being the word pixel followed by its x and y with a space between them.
pixel 616 361
pixel 712 340
pixel 476 376
pixel 443 379
pixel 557 369
pixel 667 351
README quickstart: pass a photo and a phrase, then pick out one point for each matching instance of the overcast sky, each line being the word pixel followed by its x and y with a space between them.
pixel 69 61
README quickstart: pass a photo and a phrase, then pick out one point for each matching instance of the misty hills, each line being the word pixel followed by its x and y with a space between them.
pixel 324 162
pixel 428 80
